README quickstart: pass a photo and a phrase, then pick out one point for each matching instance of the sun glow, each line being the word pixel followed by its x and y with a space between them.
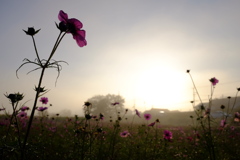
pixel 161 88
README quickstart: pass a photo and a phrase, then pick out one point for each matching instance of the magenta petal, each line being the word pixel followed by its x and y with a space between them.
pixel 62 16
pixel 80 38
pixel 76 23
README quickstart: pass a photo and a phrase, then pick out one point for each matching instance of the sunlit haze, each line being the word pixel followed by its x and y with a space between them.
pixel 137 49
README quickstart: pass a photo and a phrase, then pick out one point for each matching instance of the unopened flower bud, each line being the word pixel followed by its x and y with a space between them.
pixel 31 31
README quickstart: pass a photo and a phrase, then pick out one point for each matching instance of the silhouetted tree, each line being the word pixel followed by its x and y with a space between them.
pixel 108 105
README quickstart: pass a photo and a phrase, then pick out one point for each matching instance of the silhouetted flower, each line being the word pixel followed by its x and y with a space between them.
pixel 188 71
pixel 31 31
pixel 214 81
pixel 44 100
pixel 99 130
pixel 222 107
pixel 137 113
pixel 41 109
pixel 15 97
pixel 238 89
pixel 147 116
pixel 72 26
pixel 101 116
pixel 167 135
pixel 115 103
pixel 88 116
pixel 40 90
pixel 87 104
pixel 124 134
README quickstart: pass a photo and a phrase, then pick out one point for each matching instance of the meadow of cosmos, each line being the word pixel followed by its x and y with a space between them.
pixel 27 135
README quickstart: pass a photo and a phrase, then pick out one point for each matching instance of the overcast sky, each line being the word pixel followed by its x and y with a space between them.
pixel 136 48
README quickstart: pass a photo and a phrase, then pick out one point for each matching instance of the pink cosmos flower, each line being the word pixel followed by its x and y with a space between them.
pixel 223 123
pixel 124 134
pixel 44 100
pixel 73 26
pixel 24 108
pixel 101 116
pixel 151 124
pixel 147 116
pixel 237 117
pixel 137 113
pixel 42 108
pixel 167 135
pixel 22 114
pixel 214 81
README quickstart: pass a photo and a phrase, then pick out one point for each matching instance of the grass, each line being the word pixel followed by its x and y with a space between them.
pixel 81 138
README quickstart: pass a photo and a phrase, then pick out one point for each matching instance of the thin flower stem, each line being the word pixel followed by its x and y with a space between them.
pixel 55 47
pixel 35 47
pixel 234 101
pixel 38 91
pixel 34 108
pixel 212 150
pixel 195 88
pixel 13 116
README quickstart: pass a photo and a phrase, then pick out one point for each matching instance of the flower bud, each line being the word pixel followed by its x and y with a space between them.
pixel 15 97
pixel 62 27
pixel 31 31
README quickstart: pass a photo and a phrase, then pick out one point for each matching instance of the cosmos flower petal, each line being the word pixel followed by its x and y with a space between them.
pixel 62 16
pixel 80 38
pixel 75 22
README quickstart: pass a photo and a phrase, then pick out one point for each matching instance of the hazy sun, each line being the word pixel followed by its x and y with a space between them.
pixel 161 88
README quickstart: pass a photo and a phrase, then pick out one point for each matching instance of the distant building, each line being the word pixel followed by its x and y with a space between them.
pixel 217 103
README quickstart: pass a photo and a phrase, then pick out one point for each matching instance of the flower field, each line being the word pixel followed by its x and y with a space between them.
pixel 56 137
pixel 139 136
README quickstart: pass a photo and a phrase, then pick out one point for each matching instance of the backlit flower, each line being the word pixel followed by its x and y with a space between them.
pixel 124 134
pixel 22 114
pixel 147 116
pixel 223 123
pixel 137 113
pixel 24 108
pixel 72 26
pixel 31 31
pixel 16 97
pixel 41 109
pixel 167 135
pixel 151 124
pixel 101 116
pixel 115 103
pixel 237 117
pixel 214 81
pixel 44 100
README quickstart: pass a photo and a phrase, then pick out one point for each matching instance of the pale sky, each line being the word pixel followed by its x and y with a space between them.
pixel 136 48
